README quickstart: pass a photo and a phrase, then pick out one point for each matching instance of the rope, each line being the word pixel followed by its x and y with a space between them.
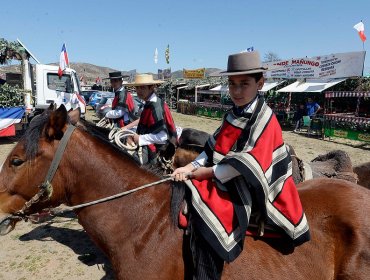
pixel 71 208
pixel 123 134
pixel 105 122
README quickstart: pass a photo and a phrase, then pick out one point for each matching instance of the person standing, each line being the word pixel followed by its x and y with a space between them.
pixel 298 117
pixel 155 128
pixel 244 163
pixel 124 110
pixel 312 107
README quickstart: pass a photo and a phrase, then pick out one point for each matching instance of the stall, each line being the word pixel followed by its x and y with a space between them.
pixel 305 88
pixel 347 115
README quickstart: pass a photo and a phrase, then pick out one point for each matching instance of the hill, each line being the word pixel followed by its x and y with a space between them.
pixel 90 72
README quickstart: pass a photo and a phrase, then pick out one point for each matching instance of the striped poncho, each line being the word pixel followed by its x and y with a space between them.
pixel 253 145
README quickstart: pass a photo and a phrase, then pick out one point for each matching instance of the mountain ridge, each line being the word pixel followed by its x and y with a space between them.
pixel 90 72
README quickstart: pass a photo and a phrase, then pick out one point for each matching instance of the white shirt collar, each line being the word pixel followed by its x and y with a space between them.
pixel 153 97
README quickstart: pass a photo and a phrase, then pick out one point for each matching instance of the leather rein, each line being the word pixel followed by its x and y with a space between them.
pixel 46 188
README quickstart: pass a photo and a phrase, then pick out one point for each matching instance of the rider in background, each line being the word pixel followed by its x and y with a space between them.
pixel 244 162
pixel 155 128
pixel 124 110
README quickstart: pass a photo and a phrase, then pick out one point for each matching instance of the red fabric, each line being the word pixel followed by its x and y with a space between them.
pixel 267 143
pixel 147 117
pixel 168 119
pixel 115 102
pixel 8 131
pixel 183 220
pixel 218 201
pixel 130 102
pixel 226 138
pixel 121 123
pixel 288 202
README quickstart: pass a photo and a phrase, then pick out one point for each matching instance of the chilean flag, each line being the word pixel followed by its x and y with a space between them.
pixel 361 30
pixel 8 118
pixel 63 60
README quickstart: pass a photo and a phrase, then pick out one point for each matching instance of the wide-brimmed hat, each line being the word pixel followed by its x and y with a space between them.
pixel 243 63
pixel 144 79
pixel 116 75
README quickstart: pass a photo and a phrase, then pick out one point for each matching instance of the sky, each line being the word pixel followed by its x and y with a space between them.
pixel 123 34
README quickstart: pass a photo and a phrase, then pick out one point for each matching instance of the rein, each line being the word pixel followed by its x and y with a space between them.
pixel 46 188
pixel 112 197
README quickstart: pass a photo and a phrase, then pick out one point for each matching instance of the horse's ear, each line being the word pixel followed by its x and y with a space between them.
pixel 74 116
pixel 57 122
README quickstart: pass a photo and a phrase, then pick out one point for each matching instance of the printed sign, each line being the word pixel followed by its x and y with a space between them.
pixel 194 74
pixel 340 65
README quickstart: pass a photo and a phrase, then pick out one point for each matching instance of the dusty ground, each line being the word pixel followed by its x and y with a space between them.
pixel 60 249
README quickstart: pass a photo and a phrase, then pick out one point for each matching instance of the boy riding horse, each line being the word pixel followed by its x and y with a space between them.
pixel 244 161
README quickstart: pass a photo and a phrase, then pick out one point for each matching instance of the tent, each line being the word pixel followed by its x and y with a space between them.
pixel 311 85
pixel 266 87
pixel 270 85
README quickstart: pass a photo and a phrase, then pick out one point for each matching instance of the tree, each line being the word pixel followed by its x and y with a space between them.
pixel 270 57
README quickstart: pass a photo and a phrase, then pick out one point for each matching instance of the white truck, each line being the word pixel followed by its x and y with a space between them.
pixel 50 88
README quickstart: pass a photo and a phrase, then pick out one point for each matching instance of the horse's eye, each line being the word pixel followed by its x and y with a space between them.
pixel 16 161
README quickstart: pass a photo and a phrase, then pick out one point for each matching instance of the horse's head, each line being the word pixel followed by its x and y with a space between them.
pixel 24 171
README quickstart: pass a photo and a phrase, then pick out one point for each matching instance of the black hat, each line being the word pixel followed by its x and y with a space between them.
pixel 116 75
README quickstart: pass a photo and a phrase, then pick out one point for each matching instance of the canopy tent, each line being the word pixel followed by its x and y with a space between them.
pixel 310 85
pixel 270 85
pixel 266 87
pixel 220 88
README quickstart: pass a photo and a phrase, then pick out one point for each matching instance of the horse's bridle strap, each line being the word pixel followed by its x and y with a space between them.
pixel 46 187
pixel 59 153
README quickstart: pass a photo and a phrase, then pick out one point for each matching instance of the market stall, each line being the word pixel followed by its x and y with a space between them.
pixel 347 115
pixel 285 109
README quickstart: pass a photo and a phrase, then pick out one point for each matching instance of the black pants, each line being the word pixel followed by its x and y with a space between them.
pixel 207 264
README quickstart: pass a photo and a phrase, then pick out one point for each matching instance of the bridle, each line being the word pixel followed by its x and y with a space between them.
pixel 46 188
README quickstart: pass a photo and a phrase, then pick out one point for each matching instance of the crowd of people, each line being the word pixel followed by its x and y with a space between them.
pixel 229 181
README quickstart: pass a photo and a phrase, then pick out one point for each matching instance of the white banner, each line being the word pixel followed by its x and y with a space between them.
pixel 339 65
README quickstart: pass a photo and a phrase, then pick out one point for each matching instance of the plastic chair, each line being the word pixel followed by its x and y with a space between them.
pixel 306 123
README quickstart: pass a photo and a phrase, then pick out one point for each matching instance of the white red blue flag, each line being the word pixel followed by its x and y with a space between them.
pixel 361 30
pixel 9 117
pixel 63 60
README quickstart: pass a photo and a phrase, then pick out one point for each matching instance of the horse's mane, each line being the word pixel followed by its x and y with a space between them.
pixel 102 134
pixel 33 133
pixel 36 128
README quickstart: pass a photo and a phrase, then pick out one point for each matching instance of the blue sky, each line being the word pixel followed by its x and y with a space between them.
pixel 124 34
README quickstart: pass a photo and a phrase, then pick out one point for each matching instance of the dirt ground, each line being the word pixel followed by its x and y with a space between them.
pixel 60 249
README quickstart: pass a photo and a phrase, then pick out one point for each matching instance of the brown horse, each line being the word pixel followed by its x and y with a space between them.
pixel 136 231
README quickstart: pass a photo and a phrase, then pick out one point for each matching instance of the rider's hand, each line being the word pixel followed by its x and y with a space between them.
pixel 182 173
pixel 188 172
pixel 136 138
pixel 130 141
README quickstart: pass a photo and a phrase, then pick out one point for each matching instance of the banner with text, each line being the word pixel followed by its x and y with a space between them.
pixel 340 65
pixel 194 74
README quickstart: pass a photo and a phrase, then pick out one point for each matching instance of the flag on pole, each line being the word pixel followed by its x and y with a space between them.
pixel 63 60
pixel 361 30
pixel 167 54
pixel 156 56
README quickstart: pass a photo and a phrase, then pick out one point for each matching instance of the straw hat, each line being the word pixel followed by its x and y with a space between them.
pixel 144 79
pixel 243 63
